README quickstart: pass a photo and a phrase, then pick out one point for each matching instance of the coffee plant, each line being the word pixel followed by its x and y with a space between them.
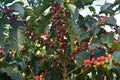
pixel 51 40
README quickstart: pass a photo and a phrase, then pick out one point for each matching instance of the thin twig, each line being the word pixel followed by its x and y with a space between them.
pixel 72 71
pixel 82 73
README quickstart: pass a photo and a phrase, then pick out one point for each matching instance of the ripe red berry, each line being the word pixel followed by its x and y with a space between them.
pixel 88 30
pixel 25 22
pixel 98 63
pixel 109 56
pixel 7 10
pixel 23 51
pixel 116 41
pixel 55 4
pixel 13 17
pixel 84 45
pixel 98 59
pixel 1 50
pixel 112 49
pixel 28 32
pixel 102 62
pixel 102 58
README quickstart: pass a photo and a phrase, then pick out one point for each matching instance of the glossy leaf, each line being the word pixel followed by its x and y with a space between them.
pixel 13 73
pixel 92 9
pixel 16 34
pixel 81 56
pixel 116 56
pixel 7 1
pixel 54 75
pixel 74 16
pixel 18 8
pixel 105 6
pixel 35 62
pixel 108 38
pixel 99 52
pixel 21 63
pixel 111 20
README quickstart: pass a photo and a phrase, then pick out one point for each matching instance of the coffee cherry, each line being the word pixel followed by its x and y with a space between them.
pixel 102 21
pixel 102 58
pixel 84 45
pixel 28 32
pixel 74 56
pixel 61 8
pixel 7 10
pixel 55 4
pixel 66 14
pixel 1 50
pixel 25 22
pixel 116 41
pixel 23 51
pixel 112 49
pixel 105 16
pixel 102 63
pixel 109 56
pixel 89 30
pixel 98 63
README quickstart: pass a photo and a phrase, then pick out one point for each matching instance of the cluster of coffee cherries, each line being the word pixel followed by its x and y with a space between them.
pixel 78 48
pixel 43 38
pixel 1 50
pixel 59 23
pixel 11 16
pixel 95 62
pixel 30 34
pixel 60 14
pixel 41 76
pixel 102 20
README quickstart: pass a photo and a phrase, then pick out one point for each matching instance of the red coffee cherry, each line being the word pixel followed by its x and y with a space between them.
pixel 84 45
pixel 23 51
pixel 13 17
pixel 1 50
pixel 25 22
pixel 89 30
pixel 7 10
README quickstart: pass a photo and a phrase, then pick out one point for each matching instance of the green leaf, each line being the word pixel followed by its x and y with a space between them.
pixel 92 9
pixel 6 1
pixel 116 46
pixel 94 46
pixel 116 70
pixel 5 64
pixel 99 52
pixel 108 39
pixel 116 57
pixel 53 75
pixel 91 22
pixel 74 16
pixel 111 20
pixel 16 34
pixel 60 2
pixel 13 73
pixel 81 56
pixel 43 23
pixel 18 8
pixel 20 62
pixel 105 6
pixel 1 29
pixel 35 63
pixel 88 1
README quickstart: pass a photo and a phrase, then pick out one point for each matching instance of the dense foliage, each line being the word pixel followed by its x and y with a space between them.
pixel 51 40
